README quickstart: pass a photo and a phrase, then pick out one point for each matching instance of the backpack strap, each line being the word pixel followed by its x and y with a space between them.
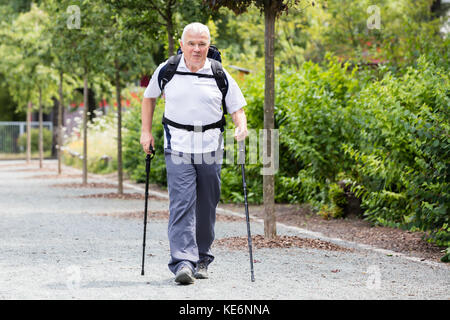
pixel 170 69
pixel 200 75
pixel 221 80
pixel 167 72
pixel 219 125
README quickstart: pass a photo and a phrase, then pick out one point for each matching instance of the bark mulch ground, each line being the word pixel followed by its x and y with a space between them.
pixel 33 169
pixel 34 164
pixel 163 215
pixel 55 176
pixel 351 228
pixel 259 242
pixel 124 196
pixel 100 185
pixel 152 215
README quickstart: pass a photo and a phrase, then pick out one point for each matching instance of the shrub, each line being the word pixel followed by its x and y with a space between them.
pixel 102 145
pixel 389 138
pixel 332 211
pixel 46 137
pixel 133 154
pixel 337 195
pixel 401 157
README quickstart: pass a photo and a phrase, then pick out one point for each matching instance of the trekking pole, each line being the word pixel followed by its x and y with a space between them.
pixel 247 217
pixel 148 159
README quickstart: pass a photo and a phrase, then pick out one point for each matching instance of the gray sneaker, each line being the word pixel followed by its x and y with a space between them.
pixel 184 276
pixel 202 271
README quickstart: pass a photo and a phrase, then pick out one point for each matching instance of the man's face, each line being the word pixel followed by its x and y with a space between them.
pixel 195 48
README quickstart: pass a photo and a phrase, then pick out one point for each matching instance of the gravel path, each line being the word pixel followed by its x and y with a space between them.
pixel 56 245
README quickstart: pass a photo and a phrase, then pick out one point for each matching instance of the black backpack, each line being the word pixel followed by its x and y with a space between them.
pixel 169 70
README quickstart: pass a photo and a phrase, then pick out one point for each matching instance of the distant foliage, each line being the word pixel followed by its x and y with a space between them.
pixel 133 154
pixel 47 140
pixel 102 146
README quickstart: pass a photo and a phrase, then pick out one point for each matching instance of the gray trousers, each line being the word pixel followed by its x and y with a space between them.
pixel 194 192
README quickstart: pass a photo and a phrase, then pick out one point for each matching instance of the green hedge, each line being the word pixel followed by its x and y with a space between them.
pixel 401 157
pixel 389 139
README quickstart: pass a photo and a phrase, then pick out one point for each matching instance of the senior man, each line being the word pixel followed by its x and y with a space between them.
pixel 193 179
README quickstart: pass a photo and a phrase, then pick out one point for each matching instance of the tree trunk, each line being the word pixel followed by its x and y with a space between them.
pixel 41 144
pixel 85 121
pixel 436 8
pixel 29 132
pixel 54 120
pixel 170 31
pixel 60 110
pixel 119 131
pixel 270 230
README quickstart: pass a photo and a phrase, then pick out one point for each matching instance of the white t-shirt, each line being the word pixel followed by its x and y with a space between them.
pixel 194 101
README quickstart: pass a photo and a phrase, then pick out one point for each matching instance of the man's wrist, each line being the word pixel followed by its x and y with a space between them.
pixel 242 128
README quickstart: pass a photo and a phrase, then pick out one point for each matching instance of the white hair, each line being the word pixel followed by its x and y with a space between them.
pixel 196 27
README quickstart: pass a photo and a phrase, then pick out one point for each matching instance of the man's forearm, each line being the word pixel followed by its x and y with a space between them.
pixel 239 119
pixel 148 108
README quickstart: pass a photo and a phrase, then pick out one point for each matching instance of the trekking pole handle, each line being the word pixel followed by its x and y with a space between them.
pixel 148 158
pixel 152 152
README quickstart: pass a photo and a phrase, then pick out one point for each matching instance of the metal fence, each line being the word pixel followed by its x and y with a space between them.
pixel 10 131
